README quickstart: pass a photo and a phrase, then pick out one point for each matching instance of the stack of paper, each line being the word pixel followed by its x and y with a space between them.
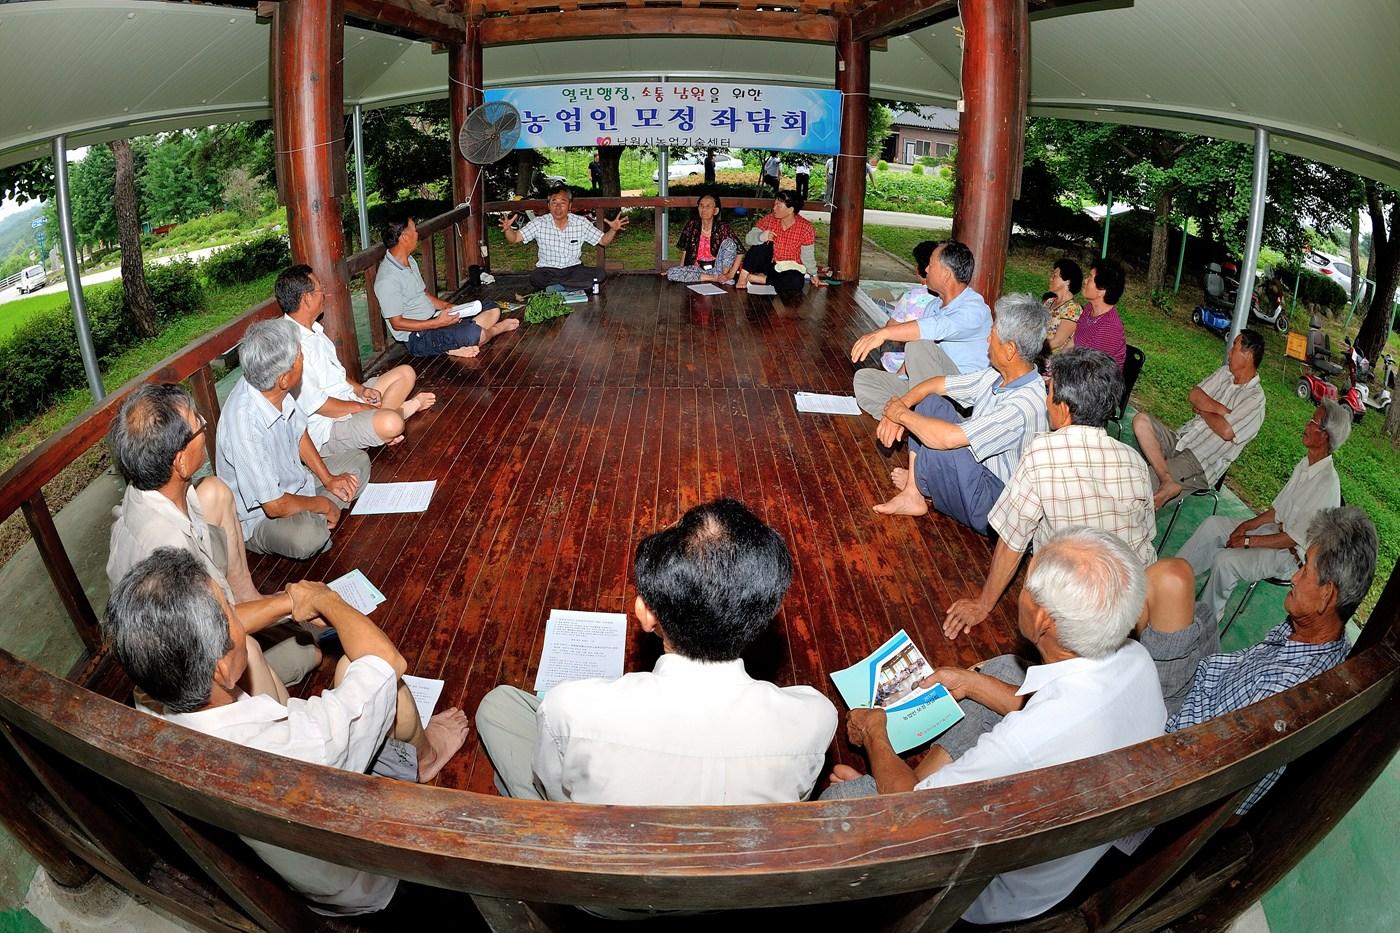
pixel 762 290
pixel 706 288
pixel 470 309
pixel 816 403
pixel 581 645
pixel 355 588
pixel 386 498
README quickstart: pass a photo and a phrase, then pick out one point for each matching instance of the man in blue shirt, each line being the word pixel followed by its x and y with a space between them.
pixel 1341 559
pixel 950 339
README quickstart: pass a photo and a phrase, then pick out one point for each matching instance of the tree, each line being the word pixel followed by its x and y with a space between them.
pixel 174 184
pixel 409 148
pixel 138 295
pixel 243 192
pixel 877 130
pixel 91 183
pixel 1383 204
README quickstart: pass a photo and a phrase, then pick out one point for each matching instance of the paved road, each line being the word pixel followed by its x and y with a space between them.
pixel 105 275
pixel 893 219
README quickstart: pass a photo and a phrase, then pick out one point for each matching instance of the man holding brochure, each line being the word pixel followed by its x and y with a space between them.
pixel 1094 691
pixel 695 730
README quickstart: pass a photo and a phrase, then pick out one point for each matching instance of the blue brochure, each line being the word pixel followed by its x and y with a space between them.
pixel 889 678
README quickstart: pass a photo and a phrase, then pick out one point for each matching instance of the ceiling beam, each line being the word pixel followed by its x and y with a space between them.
pixel 891 17
pixel 417 17
pixel 658 21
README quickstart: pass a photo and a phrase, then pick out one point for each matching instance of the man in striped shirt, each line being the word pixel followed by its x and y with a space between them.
pixel 1229 406
pixel 963 465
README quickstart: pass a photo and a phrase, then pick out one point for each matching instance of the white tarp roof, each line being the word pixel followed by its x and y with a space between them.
pixel 1319 76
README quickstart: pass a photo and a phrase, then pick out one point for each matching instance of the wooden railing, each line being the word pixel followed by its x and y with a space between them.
pixel 125 793
pixel 22 486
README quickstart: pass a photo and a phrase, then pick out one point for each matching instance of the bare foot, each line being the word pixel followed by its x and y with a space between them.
pixel 1166 493
pixel 909 501
pixel 743 280
pixel 394 442
pixel 420 402
pixel 508 324
pixel 464 353
pixel 900 477
pixel 844 773
pixel 446 732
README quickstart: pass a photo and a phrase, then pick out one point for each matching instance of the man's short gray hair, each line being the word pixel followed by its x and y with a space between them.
pixel 268 350
pixel 1346 544
pixel 1022 320
pixel 167 628
pixel 1336 421
pixel 1093 586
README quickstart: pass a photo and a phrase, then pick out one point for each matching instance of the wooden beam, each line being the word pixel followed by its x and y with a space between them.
pixel 892 17
pixel 658 21
pixel 464 72
pixel 848 211
pixel 416 17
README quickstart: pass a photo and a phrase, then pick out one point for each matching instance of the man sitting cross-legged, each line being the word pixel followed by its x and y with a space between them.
pixel 1229 406
pixel 288 499
pixel 1334 578
pixel 342 415
pixel 561 235
pixel 1272 543
pixel 963 465
pixel 172 629
pixel 697 729
pixel 157 442
pixel 419 319
pixel 950 337
pixel 1093 691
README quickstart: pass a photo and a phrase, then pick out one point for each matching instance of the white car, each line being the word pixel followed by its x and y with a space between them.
pixel 1334 267
pixel 32 279
pixel 695 167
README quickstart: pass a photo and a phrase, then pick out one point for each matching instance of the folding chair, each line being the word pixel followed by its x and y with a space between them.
pixel 1132 368
pixel 1214 494
pixel 1285 582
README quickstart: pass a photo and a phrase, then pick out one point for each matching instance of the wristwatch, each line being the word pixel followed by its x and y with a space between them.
pixel 1246 542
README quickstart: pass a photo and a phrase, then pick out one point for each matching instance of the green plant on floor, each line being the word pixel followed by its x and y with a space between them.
pixel 545 306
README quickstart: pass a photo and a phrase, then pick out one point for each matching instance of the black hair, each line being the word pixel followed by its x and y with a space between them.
pixel 923 252
pixel 712 196
pixel 291 285
pixel 561 189
pixel 714 580
pixel 393 228
pixel 958 258
pixel 1089 382
pixel 1252 341
pixel 791 199
pixel 1109 276
pixel 1070 272
pixel 148 432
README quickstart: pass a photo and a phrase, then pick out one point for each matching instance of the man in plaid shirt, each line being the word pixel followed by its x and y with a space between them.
pixel 1341 560
pixel 561 236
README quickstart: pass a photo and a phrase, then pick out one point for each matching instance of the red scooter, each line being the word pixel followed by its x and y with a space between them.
pixel 1314 388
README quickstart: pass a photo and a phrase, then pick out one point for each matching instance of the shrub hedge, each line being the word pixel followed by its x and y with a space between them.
pixel 250 259
pixel 1313 290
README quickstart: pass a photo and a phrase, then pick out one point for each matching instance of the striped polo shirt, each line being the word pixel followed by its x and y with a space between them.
pixel 1246 404
pixel 1005 418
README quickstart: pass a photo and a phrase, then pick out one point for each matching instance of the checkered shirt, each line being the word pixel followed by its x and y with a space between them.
pixel 560 249
pixel 1005 418
pixel 1228 682
pixel 1077 475
pixel 787 244
pixel 1246 404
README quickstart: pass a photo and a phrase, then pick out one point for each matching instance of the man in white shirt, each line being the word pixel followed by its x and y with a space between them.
pixel 342 415
pixel 773 172
pixel 1229 406
pixel 697 729
pixel 561 235
pixel 174 632
pixel 1274 542
pixel 1093 692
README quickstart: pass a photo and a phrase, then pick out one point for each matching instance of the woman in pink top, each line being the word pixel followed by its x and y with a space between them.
pixel 1100 327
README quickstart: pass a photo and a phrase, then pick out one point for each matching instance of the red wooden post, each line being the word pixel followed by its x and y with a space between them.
pixel 451 279
pixel 991 133
pixel 464 95
pixel 61 572
pixel 428 252
pixel 848 211
pixel 206 400
pixel 308 81
pixel 377 334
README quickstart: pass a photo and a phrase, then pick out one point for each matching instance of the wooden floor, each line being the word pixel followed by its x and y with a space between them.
pixel 563 444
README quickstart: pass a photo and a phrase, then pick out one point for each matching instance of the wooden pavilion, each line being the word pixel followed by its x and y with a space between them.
pixel 555 450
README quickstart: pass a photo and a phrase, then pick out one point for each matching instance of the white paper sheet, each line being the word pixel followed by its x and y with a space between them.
pixel 762 290
pixel 469 309
pixel 385 498
pixel 706 288
pixel 819 404
pixel 580 645
pixel 355 588
pixel 425 691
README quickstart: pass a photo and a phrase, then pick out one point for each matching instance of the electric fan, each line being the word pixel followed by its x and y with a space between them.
pixel 490 132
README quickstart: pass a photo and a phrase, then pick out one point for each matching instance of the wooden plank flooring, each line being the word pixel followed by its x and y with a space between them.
pixel 563 444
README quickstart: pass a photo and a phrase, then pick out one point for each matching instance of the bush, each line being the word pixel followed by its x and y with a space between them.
pixel 928 160
pixel 1313 289
pixel 248 260
pixel 882 166
pixel 917 169
pixel 918 194
pixel 41 360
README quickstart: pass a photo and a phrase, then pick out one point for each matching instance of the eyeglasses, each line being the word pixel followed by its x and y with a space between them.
pixel 200 430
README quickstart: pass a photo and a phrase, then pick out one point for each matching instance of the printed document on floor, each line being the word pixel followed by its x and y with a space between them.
pixel 425 692
pixel 581 645
pixel 386 498
pixel 818 404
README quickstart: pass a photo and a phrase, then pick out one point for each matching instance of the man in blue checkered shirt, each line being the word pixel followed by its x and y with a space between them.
pixel 1341 559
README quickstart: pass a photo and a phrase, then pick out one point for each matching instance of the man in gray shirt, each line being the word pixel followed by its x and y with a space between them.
pixel 417 318
pixel 288 500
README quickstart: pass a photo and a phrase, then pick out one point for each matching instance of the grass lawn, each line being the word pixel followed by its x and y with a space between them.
pixel 1180 354
pixel 14 313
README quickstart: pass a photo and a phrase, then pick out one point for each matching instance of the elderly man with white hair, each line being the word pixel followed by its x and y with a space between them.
pixel 963 464
pixel 1094 690
pixel 1272 543
pixel 287 498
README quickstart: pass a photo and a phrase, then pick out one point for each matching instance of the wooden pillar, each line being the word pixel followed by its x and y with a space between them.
pixel 309 103
pixel 848 203
pixel 991 133
pixel 464 96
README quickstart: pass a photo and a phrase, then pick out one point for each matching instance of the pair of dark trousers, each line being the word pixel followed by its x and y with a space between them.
pixel 803 179
pixel 579 276
pixel 759 261
pixel 959 486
